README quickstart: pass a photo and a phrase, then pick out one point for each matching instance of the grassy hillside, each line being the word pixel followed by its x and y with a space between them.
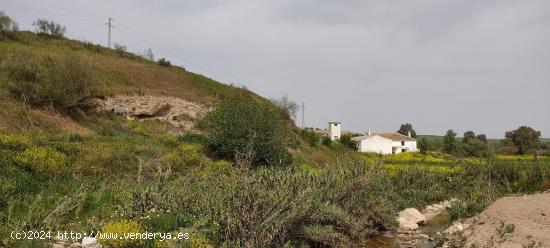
pixel 116 73
pixel 79 170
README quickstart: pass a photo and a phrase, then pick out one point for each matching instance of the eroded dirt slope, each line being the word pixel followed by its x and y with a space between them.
pixel 177 111
pixel 518 221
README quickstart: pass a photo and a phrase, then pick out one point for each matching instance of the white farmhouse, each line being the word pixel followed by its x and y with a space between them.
pixel 385 143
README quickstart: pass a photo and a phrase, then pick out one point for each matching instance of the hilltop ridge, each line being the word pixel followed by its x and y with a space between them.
pixel 117 73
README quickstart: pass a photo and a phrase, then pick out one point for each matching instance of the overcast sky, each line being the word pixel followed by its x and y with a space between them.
pixel 457 64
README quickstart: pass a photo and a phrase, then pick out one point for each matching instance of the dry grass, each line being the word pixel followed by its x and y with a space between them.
pixel 130 74
pixel 115 74
pixel 16 116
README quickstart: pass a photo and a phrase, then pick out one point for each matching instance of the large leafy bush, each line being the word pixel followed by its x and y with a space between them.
pixel 245 130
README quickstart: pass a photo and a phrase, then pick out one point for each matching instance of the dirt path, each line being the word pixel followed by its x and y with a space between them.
pixel 519 221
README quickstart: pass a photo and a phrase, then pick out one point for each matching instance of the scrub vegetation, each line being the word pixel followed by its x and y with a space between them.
pixel 247 178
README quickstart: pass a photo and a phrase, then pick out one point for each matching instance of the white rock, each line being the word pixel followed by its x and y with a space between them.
pixel 407 224
pixel 454 228
pixel 89 241
pixel 60 238
pixel 413 215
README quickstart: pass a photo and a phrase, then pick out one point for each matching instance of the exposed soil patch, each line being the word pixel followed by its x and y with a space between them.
pixel 519 221
pixel 178 112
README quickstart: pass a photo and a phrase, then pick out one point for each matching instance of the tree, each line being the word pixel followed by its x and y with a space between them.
pixel 475 146
pixel 8 28
pixel 49 28
pixel 482 137
pixel 148 55
pixel 523 140
pixel 468 135
pixel 120 49
pixel 288 107
pixel 346 140
pixel 450 145
pixel 242 126
pixel 406 128
pixel 424 145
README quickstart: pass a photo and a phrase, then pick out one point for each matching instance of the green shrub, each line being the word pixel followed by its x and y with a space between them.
pixel 310 136
pixel 164 62
pixel 241 128
pixel 42 160
pixel 17 142
pixel 60 82
pixel 120 228
pixel 326 142
pixel 278 206
pixel 346 140
pixel 185 156
pixel 197 241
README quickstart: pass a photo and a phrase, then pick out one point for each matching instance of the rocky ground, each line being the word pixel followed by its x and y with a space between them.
pixel 510 222
pixel 410 233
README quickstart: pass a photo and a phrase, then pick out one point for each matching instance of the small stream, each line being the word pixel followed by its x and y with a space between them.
pixel 437 224
pixel 383 241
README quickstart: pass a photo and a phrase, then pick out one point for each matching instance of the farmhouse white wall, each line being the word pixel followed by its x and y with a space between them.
pixel 376 144
pixel 409 146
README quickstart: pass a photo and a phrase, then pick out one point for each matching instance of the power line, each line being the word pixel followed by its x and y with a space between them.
pixel 137 35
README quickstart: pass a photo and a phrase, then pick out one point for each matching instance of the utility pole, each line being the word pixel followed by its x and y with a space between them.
pixel 110 26
pixel 303 114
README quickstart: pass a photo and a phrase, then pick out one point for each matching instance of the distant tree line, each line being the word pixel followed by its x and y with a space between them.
pixel 523 140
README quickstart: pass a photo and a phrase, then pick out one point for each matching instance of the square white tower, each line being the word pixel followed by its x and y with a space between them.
pixel 334 130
